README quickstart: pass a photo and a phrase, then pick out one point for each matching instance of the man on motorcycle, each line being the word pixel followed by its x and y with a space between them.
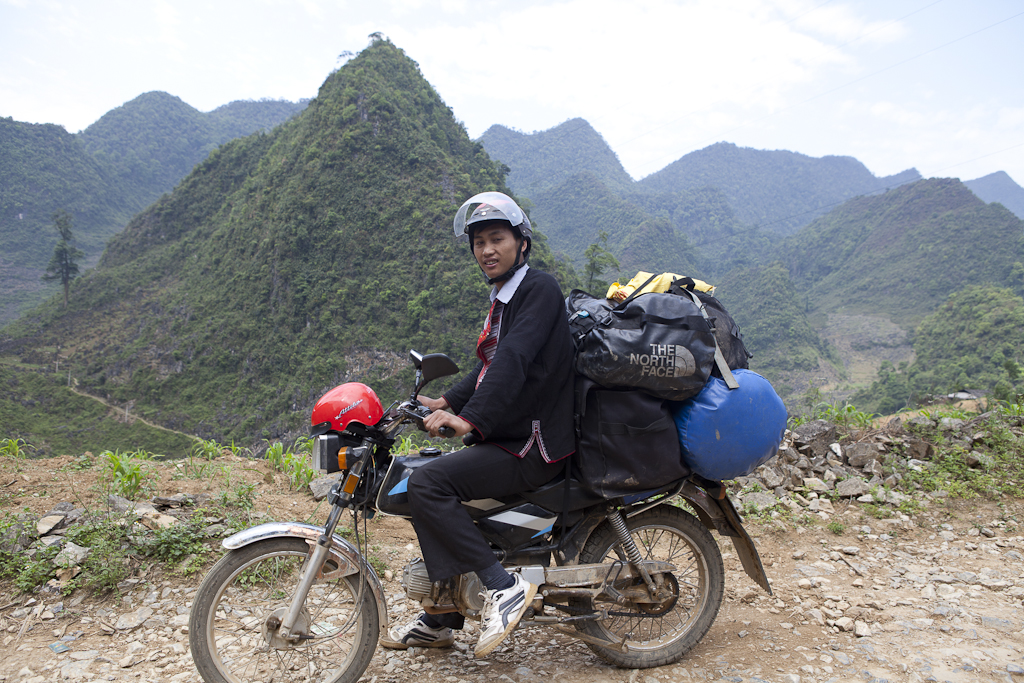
pixel 518 404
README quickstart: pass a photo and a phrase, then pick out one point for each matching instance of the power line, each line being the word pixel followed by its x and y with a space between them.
pixel 983 156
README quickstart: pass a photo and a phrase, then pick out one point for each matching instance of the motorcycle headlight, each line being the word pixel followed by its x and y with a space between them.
pixel 328 454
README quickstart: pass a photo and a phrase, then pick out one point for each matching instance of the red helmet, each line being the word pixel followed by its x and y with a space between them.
pixel 351 402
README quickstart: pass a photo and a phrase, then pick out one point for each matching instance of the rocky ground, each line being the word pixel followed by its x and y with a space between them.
pixel 862 590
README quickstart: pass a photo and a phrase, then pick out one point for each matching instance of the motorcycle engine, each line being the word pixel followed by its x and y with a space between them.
pixel 462 592
pixel 416 581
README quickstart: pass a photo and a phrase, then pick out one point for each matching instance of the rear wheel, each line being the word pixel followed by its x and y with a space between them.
pixel 656 634
pixel 233 631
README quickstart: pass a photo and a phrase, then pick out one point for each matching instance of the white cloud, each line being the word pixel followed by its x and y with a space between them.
pixel 658 78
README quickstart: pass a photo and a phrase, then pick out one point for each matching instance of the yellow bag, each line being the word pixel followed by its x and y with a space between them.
pixel 661 283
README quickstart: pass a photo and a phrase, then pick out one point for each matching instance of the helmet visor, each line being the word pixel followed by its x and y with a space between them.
pixel 499 201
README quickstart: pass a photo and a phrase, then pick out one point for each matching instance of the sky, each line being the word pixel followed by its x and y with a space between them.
pixel 937 85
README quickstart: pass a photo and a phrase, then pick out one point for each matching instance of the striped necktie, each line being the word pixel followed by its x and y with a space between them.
pixel 487 343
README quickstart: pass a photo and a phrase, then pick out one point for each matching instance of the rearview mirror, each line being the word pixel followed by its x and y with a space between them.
pixel 436 365
pixel 430 367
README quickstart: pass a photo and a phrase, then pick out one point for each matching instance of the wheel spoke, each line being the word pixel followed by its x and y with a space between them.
pixel 236 642
pixel 695 584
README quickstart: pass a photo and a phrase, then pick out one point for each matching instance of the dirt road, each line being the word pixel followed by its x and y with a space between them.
pixel 935 598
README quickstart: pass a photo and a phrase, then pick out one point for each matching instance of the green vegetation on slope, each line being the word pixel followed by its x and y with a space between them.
pixel 39 408
pixel 155 139
pixel 999 187
pixel 578 211
pixel 902 252
pixel 766 306
pixel 720 241
pixel 45 170
pixel 546 159
pixel 777 190
pixel 101 176
pixel 975 340
pixel 289 262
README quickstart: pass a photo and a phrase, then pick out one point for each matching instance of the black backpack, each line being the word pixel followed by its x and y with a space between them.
pixel 665 344
pixel 727 332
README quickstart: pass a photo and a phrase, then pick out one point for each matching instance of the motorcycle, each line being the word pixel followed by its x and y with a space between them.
pixel 639 579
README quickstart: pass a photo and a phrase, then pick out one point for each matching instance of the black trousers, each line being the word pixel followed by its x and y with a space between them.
pixel 450 542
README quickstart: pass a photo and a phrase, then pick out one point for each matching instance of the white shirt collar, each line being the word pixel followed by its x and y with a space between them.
pixel 509 288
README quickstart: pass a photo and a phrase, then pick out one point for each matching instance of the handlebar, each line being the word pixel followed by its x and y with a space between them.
pixel 416 412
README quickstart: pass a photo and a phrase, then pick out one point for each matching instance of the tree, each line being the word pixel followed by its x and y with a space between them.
pixel 599 259
pixel 63 264
pixel 1017 278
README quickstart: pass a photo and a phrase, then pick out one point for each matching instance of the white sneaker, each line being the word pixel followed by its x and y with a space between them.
pixel 501 613
pixel 417 634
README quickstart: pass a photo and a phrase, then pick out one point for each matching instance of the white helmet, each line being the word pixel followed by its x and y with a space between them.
pixel 491 207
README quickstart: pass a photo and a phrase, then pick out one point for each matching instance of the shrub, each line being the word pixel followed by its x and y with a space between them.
pixel 175 543
pixel 107 563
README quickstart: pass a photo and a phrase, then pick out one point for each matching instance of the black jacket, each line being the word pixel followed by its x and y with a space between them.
pixel 526 397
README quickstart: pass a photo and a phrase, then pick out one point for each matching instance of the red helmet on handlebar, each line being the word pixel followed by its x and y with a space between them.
pixel 347 403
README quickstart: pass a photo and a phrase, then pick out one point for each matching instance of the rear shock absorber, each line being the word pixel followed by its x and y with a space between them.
pixel 618 523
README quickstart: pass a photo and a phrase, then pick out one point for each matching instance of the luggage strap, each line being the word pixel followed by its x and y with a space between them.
pixel 723 367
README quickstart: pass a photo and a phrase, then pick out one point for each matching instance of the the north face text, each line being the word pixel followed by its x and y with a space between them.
pixel 665 360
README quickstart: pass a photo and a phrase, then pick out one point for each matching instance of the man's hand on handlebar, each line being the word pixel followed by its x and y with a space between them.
pixel 441 418
pixel 433 403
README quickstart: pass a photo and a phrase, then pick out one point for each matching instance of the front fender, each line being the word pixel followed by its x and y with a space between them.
pixel 344 554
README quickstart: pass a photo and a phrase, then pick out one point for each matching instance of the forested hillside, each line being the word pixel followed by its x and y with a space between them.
pixel 286 263
pixel 999 187
pixel 779 191
pixel 975 340
pixel 770 313
pixel 901 253
pixel 546 159
pixel 43 170
pixel 320 251
pixel 575 213
pixel 153 141
pixel 102 177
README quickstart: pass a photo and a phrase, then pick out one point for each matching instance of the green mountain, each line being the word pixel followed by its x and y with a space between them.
pixel 102 176
pixel 43 170
pixel 546 159
pixel 153 141
pixel 720 241
pixel 899 254
pixel 975 340
pixel 574 214
pixel 999 187
pixel 768 308
pixel 39 408
pixel 779 190
pixel 724 203
pixel 286 263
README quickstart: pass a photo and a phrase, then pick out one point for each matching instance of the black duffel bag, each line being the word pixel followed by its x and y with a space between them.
pixel 727 332
pixel 628 441
pixel 658 343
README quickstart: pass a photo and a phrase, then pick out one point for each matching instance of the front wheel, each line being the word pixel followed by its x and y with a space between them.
pixel 232 627
pixel 656 634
